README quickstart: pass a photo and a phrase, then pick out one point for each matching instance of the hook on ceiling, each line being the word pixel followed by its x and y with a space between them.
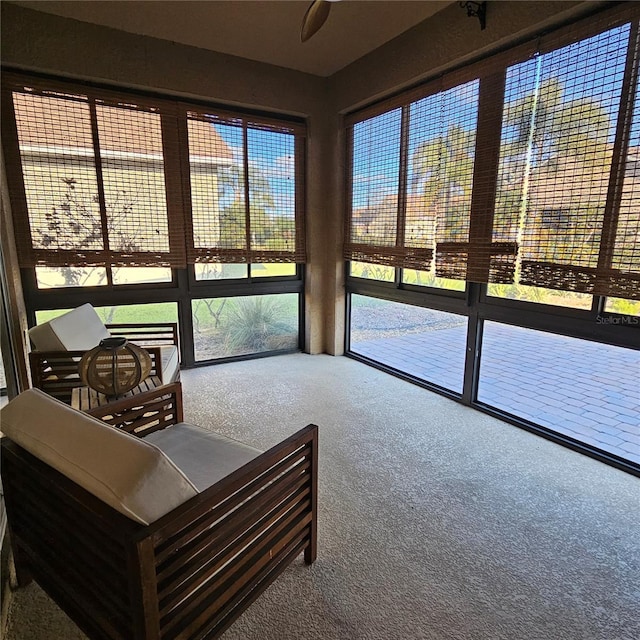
pixel 476 10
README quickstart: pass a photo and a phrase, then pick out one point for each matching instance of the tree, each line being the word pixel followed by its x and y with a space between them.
pixel 267 226
pixel 552 139
pixel 442 173
pixel 547 125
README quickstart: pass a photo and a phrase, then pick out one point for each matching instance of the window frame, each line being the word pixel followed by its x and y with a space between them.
pixel 593 324
pixel 183 287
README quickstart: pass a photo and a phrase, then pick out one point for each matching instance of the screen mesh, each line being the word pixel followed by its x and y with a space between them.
pixel 565 114
pixel 245 188
pixel 217 189
pixel 133 179
pixel 527 175
pixel 272 193
pixel 98 177
pixel 375 187
pixel 626 250
pixel 442 139
pixel 60 182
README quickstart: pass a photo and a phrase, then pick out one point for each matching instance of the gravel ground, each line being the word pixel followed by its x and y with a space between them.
pixel 370 322
pixel 209 346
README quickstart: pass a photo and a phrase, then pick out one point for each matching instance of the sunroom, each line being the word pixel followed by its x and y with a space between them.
pixel 468 220
pixel 456 205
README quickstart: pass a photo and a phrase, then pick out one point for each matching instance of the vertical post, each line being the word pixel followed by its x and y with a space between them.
pixel 177 396
pixel 624 123
pixel 19 573
pixel 311 550
pixel 143 590
pixel 485 178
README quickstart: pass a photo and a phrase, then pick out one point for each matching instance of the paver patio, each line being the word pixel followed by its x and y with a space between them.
pixel 586 390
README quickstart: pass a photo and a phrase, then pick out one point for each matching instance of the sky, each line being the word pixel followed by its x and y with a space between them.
pixel 591 69
pixel 271 153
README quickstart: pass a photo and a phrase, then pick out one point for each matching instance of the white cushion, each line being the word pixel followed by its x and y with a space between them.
pixel 170 363
pixel 78 330
pixel 204 456
pixel 128 473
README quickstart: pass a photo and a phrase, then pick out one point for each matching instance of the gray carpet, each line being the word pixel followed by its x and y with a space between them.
pixel 436 521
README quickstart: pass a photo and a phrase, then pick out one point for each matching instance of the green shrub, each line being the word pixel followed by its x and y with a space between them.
pixel 256 324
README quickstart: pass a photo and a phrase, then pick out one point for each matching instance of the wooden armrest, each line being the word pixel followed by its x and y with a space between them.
pixel 56 372
pixel 145 412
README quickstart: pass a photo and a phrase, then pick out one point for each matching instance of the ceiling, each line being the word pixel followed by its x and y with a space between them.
pixel 266 30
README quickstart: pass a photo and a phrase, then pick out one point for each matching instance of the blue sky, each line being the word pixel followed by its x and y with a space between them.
pixel 586 69
pixel 272 154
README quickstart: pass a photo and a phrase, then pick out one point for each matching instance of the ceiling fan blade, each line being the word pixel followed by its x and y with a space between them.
pixel 314 18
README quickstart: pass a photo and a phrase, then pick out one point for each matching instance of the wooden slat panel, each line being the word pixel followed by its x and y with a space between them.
pixel 69 534
pixel 155 333
pixel 145 412
pixel 97 557
pixel 199 572
pixel 216 625
pixel 216 590
pixel 232 528
pixel 238 573
pixel 66 511
pixel 56 372
pixel 226 501
pixel 97 596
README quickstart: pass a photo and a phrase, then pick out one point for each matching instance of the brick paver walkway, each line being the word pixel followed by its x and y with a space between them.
pixel 586 390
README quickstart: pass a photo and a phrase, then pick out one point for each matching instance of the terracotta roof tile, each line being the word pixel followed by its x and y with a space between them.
pixel 54 122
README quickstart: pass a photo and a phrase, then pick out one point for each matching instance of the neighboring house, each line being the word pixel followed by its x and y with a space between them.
pixel 566 204
pixel 61 182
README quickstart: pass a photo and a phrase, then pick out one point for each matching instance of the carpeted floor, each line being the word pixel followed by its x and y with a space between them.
pixel 436 521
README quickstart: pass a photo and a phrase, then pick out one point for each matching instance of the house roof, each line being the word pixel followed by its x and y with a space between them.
pixel 571 181
pixel 55 123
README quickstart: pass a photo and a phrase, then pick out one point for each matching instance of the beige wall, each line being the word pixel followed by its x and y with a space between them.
pixel 41 42
pixel 443 42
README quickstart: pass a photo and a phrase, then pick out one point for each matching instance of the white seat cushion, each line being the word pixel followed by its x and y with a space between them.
pixel 78 330
pixel 204 456
pixel 128 473
pixel 170 363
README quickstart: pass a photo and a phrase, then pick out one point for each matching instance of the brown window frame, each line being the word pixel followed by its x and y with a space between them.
pixel 482 259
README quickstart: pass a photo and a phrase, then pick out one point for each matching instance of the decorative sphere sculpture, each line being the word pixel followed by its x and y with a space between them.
pixel 115 366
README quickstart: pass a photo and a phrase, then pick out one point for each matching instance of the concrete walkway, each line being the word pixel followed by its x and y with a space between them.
pixel 585 390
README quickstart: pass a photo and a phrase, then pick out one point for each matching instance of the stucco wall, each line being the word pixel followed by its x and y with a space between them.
pixel 446 40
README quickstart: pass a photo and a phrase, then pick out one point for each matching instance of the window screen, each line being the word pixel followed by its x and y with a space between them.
pixel 245 191
pixel 559 129
pixel 528 174
pixel 442 140
pixel 133 171
pixel 99 178
pixel 374 203
pixel 60 181
pixel 92 185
